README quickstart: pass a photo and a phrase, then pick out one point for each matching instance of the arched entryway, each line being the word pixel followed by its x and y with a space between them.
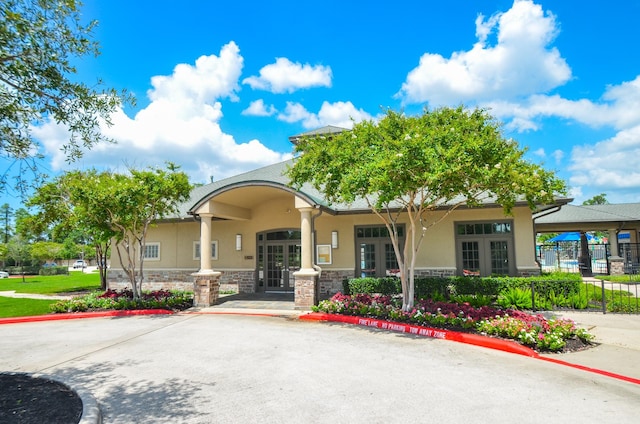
pixel 279 255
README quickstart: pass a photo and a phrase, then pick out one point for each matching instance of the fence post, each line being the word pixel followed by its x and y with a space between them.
pixel 604 300
pixel 533 296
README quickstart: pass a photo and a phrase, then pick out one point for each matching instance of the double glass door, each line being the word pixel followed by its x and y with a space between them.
pixel 377 259
pixel 485 257
pixel 281 261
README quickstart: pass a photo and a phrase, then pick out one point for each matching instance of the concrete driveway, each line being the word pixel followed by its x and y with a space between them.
pixel 202 368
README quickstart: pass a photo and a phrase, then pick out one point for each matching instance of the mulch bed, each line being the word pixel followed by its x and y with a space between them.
pixel 26 399
pixel 576 345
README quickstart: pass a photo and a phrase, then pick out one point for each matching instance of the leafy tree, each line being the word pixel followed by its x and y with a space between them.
pixel 4 253
pixel 20 251
pixel 66 205
pixel 545 237
pixel 598 199
pixel 70 249
pixel 132 203
pixel 404 166
pixel 43 251
pixel 28 227
pixel 39 40
pixel 106 206
pixel 6 212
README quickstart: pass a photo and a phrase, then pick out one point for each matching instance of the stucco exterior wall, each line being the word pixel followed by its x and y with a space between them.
pixel 436 257
pixel 438 250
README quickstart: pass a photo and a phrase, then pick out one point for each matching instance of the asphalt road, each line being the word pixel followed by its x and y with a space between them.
pixel 249 369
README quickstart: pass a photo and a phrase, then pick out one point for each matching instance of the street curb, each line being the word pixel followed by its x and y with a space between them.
pixel 78 315
pixel 473 339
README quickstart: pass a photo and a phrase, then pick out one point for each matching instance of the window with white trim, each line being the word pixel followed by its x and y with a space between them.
pixel 214 250
pixel 152 251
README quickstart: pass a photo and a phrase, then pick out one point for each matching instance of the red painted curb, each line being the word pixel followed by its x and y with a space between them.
pixel 474 339
pixel 437 333
pixel 589 369
pixel 78 315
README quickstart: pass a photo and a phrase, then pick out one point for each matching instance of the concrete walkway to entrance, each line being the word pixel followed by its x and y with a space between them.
pixel 255 301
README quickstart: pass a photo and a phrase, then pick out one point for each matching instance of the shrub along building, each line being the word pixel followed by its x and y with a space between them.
pixel 255 233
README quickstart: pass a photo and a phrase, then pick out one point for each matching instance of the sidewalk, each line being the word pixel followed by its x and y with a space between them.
pixel 12 293
pixel 618 342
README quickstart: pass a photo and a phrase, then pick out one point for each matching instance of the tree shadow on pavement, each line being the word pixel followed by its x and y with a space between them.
pixel 129 398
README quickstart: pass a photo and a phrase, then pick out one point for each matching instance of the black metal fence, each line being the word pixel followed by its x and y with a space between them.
pixel 595 295
pixel 565 257
pixel 630 253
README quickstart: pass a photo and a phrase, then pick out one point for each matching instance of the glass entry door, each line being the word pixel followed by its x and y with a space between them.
pixel 377 259
pixel 484 257
pixel 375 256
pixel 282 260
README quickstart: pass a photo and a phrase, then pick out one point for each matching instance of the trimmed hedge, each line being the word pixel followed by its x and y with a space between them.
pixel 445 287
pixel 369 285
pixel 54 270
pixel 27 269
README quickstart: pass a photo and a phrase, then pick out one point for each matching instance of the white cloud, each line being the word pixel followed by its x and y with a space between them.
pixel 558 155
pixel 295 112
pixel 285 76
pixel 339 114
pixel 539 152
pixel 576 194
pixel 609 166
pixel 212 77
pixel 180 124
pixel 520 63
pixel 258 108
pixel 619 108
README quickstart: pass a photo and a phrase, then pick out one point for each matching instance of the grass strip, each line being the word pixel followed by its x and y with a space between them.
pixel 21 307
pixel 52 284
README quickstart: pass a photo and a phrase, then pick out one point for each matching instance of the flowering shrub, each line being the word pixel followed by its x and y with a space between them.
pixel 530 330
pixel 534 330
pixel 121 300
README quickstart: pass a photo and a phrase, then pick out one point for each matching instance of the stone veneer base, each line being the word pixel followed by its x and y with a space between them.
pixel 183 279
pixel 243 281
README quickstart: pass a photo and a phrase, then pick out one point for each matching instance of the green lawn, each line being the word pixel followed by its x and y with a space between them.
pixel 53 284
pixel 19 307
pixel 628 278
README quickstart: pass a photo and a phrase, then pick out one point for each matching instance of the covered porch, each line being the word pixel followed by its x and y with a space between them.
pixel 267 230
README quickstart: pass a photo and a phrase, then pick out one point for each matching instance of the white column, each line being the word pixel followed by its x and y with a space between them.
pixel 306 240
pixel 613 243
pixel 306 285
pixel 205 244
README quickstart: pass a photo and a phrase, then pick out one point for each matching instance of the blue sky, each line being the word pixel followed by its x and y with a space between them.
pixel 220 86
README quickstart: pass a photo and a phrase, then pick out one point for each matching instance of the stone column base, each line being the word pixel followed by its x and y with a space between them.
pixel 616 265
pixel 305 289
pixel 206 289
